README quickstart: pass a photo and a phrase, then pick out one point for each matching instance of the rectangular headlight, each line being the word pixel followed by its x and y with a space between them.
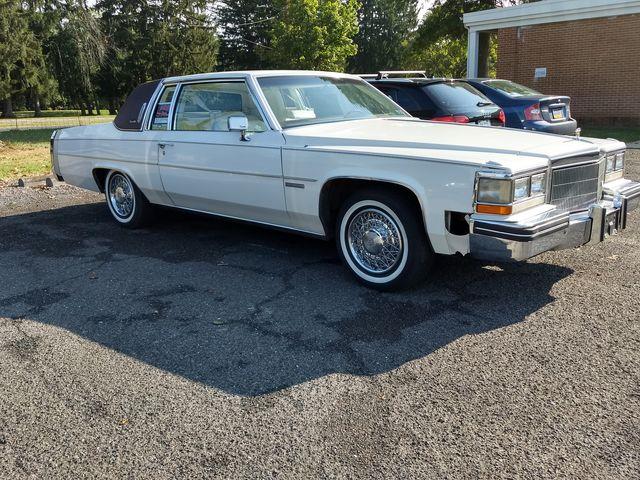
pixel 611 163
pixel 495 190
pixel 538 184
pixel 620 161
pixel 521 189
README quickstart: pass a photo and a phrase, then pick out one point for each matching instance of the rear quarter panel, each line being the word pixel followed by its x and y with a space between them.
pixel 80 150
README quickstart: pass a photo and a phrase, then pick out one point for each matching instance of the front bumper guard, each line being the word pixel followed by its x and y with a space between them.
pixel 497 240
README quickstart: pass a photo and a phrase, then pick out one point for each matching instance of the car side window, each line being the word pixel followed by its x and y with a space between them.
pixel 161 115
pixel 208 106
pixel 413 100
pixel 389 92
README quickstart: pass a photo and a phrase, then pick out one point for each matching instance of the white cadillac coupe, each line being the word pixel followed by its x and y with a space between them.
pixel 328 155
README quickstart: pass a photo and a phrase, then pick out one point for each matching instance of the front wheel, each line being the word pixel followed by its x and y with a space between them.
pixel 126 203
pixel 381 239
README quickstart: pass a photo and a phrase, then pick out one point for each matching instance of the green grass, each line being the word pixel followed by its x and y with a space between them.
pixel 27 136
pixel 55 113
pixel 51 119
pixel 24 153
pixel 624 134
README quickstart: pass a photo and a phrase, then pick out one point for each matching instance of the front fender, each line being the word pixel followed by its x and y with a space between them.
pixel 439 187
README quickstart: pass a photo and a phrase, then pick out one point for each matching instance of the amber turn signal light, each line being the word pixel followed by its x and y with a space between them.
pixel 494 209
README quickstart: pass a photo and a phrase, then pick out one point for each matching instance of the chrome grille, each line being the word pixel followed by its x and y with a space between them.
pixel 575 188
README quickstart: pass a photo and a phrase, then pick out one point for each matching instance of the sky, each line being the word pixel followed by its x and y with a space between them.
pixel 424 6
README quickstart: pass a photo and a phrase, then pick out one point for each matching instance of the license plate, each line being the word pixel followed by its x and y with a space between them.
pixel 484 123
pixel 557 114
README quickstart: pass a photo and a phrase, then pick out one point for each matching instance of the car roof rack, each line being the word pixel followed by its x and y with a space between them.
pixel 388 73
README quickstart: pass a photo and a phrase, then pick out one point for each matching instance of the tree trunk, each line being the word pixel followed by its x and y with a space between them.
pixel 7 109
pixel 484 46
pixel 83 111
pixel 36 104
pixel 112 106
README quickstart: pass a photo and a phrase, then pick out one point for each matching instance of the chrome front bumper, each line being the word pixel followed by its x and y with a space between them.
pixel 499 240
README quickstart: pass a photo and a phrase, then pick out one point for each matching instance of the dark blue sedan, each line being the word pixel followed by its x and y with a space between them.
pixel 527 109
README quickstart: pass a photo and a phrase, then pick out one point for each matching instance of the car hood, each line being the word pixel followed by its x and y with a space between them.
pixel 503 148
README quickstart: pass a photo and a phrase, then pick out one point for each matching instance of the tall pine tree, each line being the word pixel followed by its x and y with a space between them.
pixel 244 27
pixel 39 83
pixel 15 43
pixel 386 27
pixel 148 40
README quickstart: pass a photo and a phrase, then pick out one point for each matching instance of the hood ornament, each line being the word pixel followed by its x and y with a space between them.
pixel 578 132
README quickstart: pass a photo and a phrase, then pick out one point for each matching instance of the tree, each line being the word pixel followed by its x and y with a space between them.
pixel 444 25
pixel 153 39
pixel 39 83
pixel 314 34
pixel 183 39
pixel 386 27
pixel 14 35
pixel 445 57
pixel 80 50
pixel 244 27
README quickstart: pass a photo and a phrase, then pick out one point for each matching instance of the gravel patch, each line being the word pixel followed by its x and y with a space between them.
pixel 205 348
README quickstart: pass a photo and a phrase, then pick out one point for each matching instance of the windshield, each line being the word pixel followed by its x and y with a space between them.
pixel 510 88
pixel 307 99
pixel 456 96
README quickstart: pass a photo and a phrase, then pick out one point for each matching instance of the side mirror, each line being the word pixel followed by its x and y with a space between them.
pixel 239 123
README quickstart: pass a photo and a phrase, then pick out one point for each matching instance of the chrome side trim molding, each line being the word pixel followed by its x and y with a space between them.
pixel 230 172
pixel 301 179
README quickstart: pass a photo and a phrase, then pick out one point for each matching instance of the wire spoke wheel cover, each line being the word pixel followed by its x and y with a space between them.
pixel 375 241
pixel 121 196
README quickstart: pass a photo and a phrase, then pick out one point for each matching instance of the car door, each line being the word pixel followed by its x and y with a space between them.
pixel 206 167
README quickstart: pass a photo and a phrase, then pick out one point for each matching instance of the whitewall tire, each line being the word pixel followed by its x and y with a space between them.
pixel 381 239
pixel 125 201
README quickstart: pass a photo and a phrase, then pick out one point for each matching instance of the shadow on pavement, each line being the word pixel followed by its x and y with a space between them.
pixel 240 308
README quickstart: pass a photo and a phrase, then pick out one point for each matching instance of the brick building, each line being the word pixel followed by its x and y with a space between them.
pixel 587 49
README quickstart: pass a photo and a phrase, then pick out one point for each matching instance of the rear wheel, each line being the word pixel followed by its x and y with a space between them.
pixel 381 239
pixel 126 203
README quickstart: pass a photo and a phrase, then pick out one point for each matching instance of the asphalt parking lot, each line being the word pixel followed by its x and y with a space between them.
pixel 200 348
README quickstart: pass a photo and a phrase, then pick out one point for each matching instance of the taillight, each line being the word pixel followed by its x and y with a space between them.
pixel 533 112
pixel 502 117
pixel 452 118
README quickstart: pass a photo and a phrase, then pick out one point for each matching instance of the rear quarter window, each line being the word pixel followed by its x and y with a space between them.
pixel 131 113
